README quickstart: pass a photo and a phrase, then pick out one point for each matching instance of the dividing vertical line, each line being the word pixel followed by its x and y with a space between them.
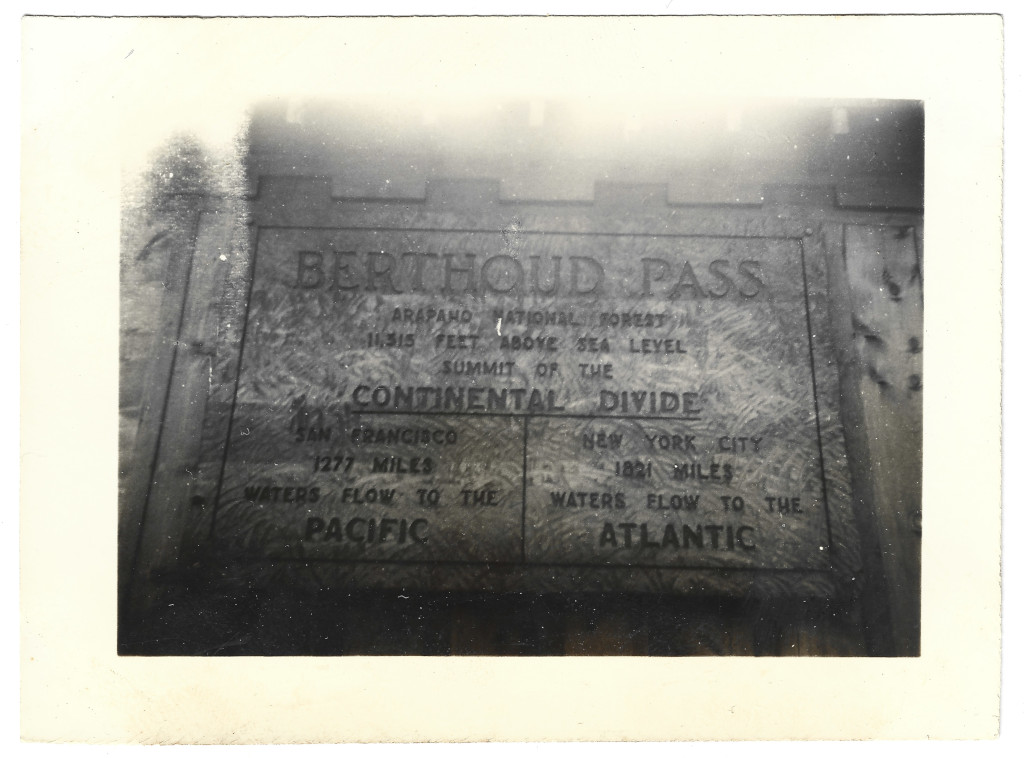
pixel 522 543
pixel 817 412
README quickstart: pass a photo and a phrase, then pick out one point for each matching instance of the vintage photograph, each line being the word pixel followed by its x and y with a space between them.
pixel 537 378
pixel 525 376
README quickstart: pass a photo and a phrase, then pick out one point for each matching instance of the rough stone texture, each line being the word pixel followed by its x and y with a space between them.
pixel 753 365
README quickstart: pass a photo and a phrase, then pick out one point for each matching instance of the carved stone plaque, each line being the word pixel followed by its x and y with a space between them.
pixel 513 409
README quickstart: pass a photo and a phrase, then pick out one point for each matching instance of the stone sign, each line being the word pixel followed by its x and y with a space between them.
pixel 512 409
